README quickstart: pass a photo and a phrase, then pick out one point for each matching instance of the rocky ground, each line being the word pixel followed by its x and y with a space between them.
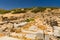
pixel 30 26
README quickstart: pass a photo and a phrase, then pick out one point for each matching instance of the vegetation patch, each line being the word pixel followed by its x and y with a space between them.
pixel 38 9
pixel 4 11
pixel 30 19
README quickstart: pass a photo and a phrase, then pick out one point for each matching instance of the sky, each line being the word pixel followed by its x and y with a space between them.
pixel 10 4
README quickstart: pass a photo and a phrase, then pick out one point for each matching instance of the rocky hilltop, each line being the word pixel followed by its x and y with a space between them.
pixel 38 23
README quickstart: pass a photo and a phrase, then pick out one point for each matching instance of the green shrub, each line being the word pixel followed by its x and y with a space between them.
pixel 31 19
pixel 28 20
pixel 28 9
pixel 38 9
pixel 4 11
pixel 52 8
pixel 18 12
